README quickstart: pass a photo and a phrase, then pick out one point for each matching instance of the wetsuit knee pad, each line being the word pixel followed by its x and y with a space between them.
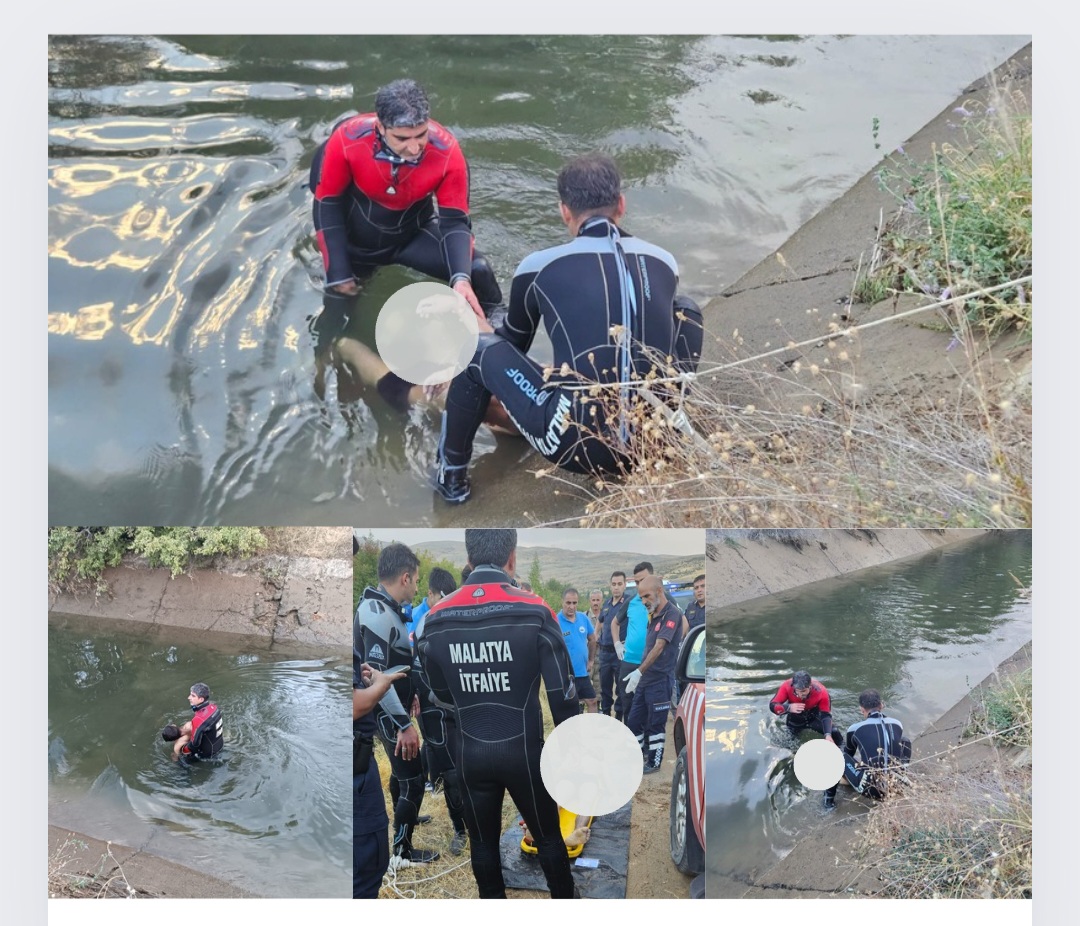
pixel 412 790
pixel 394 391
pixel 486 287
pixel 689 333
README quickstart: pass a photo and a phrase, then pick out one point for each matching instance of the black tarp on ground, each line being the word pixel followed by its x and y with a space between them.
pixel 609 842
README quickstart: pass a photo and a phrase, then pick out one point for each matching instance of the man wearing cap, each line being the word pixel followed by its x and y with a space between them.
pixel 804 703
pixel 376 182
pixel 200 737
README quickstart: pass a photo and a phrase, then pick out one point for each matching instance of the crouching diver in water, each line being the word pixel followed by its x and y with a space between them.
pixel 200 737
pixel 873 747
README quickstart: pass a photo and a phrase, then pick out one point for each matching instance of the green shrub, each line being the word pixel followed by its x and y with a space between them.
pixel 79 555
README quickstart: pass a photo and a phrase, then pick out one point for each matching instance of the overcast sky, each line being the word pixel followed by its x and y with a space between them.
pixel 646 542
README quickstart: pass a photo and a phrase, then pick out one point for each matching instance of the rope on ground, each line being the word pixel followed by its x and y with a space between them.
pixel 390 880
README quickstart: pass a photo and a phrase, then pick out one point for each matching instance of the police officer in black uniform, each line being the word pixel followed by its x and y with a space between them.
pixel 609 658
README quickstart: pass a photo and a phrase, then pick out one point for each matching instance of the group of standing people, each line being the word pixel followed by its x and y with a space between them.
pixel 392 187
pixel 471 675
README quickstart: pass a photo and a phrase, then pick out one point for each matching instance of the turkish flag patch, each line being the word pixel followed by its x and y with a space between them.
pixel 670 624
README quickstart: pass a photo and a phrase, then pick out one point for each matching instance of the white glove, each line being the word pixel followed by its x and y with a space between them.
pixel 632 680
pixel 620 648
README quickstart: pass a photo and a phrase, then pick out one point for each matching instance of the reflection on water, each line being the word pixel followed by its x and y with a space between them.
pixel 183 273
pixel 922 632
pixel 271 814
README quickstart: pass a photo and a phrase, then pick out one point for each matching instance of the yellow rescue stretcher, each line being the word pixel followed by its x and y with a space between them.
pixel 568 823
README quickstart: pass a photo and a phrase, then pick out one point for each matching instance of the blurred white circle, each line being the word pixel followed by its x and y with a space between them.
pixel 591 764
pixel 426 333
pixel 819 764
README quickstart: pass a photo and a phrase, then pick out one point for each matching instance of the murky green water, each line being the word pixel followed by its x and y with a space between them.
pixel 922 632
pixel 183 273
pixel 272 814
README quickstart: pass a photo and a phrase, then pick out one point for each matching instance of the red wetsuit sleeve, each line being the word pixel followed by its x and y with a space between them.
pixel 821 702
pixel 778 704
pixel 335 176
pixel 452 194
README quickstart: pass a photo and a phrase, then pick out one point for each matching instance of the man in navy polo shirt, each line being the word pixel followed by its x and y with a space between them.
pixel 577 631
pixel 650 682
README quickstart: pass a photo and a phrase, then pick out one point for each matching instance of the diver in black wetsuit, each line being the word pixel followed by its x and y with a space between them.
pixel 436 722
pixel 872 748
pixel 381 639
pixel 484 650
pixel 608 302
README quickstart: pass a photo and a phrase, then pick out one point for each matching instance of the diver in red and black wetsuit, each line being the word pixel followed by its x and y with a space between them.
pixel 376 181
pixel 200 737
pixel 485 649
pixel 804 703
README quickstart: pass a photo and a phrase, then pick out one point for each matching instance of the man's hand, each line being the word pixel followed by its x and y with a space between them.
pixel 373 678
pixel 796 708
pixel 348 288
pixel 408 743
pixel 632 680
pixel 620 648
pixel 464 287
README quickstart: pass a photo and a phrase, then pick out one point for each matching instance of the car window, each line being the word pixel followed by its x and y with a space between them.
pixel 695 662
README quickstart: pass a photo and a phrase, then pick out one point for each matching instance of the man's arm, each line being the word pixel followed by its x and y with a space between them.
pixel 373 624
pixel 592 648
pixel 329 211
pixel 778 705
pixel 378 683
pixel 557 671
pixel 523 315
pixel 652 655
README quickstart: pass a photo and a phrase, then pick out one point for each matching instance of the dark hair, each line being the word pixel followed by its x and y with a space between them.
pixel 590 183
pixel 525 586
pixel 570 591
pixel 490 546
pixel 441 581
pixel 698 579
pixel 170 733
pixel 466 571
pixel 619 572
pixel 646 565
pixel 870 700
pixel 394 560
pixel 800 679
pixel 201 690
pixel 402 104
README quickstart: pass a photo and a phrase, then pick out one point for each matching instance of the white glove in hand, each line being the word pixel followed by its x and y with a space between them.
pixel 620 648
pixel 632 680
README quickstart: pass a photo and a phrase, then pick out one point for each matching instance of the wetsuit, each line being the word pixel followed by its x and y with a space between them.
pixel 695 614
pixel 371 843
pixel 487 649
pixel 585 292
pixel 206 736
pixel 652 699
pixel 817 715
pixel 436 722
pixel 609 659
pixel 872 747
pixel 373 208
pixel 383 639
pixel 636 623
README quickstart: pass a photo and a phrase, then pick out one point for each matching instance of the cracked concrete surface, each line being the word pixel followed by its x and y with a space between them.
pixel 299 600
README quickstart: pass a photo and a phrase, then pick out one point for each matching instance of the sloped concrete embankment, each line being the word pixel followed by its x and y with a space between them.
pixel 793 294
pixel 744 565
pixel 297 599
